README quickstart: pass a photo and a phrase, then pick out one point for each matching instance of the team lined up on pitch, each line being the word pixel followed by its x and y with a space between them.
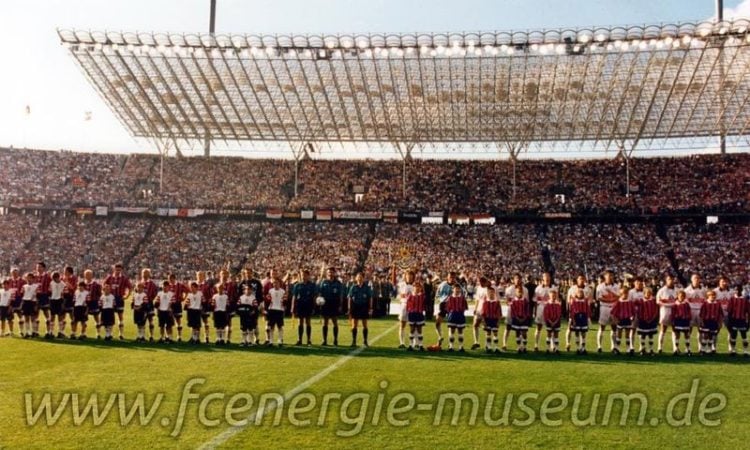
pixel 628 310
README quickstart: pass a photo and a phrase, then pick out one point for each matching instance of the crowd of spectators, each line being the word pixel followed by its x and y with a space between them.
pixel 16 232
pixel 592 248
pixel 705 183
pixel 492 251
pixel 712 250
pixel 222 182
pixel 702 183
pixel 61 178
pixel 293 246
pixel 332 184
pixel 183 246
pixel 83 242
pixel 497 251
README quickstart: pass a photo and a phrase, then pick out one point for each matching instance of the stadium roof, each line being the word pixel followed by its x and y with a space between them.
pixel 597 85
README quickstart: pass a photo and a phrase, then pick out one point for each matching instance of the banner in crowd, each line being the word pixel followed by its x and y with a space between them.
pixel 232 212
pixel 186 212
pixel 436 214
pixel 101 210
pixel 557 215
pixel 390 216
pixel 84 211
pixel 291 215
pixel 306 214
pixel 323 214
pixel 273 214
pixel 357 215
pixel 483 219
pixel 458 219
pixel 409 216
pixel 131 210
pixel 28 206
pixel 432 220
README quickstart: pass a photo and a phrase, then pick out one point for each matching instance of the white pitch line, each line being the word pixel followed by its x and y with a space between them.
pixel 227 434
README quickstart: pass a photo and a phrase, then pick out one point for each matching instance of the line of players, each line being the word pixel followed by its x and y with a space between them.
pixel 626 311
pixel 57 297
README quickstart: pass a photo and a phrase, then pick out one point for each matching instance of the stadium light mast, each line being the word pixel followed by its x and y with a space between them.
pixel 722 135
pixel 211 31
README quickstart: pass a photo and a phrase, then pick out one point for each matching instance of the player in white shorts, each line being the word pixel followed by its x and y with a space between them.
pixel 665 298
pixel 480 294
pixel 404 288
pixel 541 297
pixel 723 295
pixel 695 294
pixel 607 293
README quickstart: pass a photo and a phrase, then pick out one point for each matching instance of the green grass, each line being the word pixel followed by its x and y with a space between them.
pixel 39 366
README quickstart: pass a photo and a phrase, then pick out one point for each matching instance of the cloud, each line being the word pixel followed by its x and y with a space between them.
pixel 740 11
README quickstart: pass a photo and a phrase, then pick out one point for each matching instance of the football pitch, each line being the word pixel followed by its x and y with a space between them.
pixel 378 397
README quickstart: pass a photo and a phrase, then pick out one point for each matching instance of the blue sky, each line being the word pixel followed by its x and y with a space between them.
pixel 37 72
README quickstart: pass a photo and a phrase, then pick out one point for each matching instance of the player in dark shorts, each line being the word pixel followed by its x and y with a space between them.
pixel 360 307
pixel 151 290
pixel 71 284
pixel 207 288
pixel 303 305
pixel 95 293
pixel 180 291
pixel 121 286
pixel 332 292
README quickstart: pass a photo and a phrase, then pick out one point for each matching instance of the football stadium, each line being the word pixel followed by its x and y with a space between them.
pixel 251 233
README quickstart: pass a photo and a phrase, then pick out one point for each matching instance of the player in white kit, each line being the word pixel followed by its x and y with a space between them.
pixel 724 294
pixel 480 295
pixel 695 295
pixel 541 297
pixel 665 298
pixel 404 288
pixel 607 293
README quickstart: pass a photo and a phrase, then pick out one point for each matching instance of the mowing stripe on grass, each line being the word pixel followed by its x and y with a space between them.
pixel 227 434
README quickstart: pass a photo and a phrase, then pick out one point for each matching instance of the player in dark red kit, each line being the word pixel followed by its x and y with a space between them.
pixel 711 316
pixel 179 291
pixel 552 321
pixel 738 316
pixel 42 299
pixel 120 285
pixel 151 290
pixel 624 313
pixel 648 321
pixel 233 295
pixel 492 312
pixel 208 290
pixel 15 286
pixel 95 293
pixel 71 284
pixel 456 307
pixel 580 314
pixel 520 314
pixel 415 314
pixel 682 317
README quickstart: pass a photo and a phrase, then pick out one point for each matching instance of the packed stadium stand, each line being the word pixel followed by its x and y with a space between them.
pixel 45 191
pixel 700 183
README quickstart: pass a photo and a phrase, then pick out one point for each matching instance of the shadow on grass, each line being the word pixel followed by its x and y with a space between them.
pixel 390 352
